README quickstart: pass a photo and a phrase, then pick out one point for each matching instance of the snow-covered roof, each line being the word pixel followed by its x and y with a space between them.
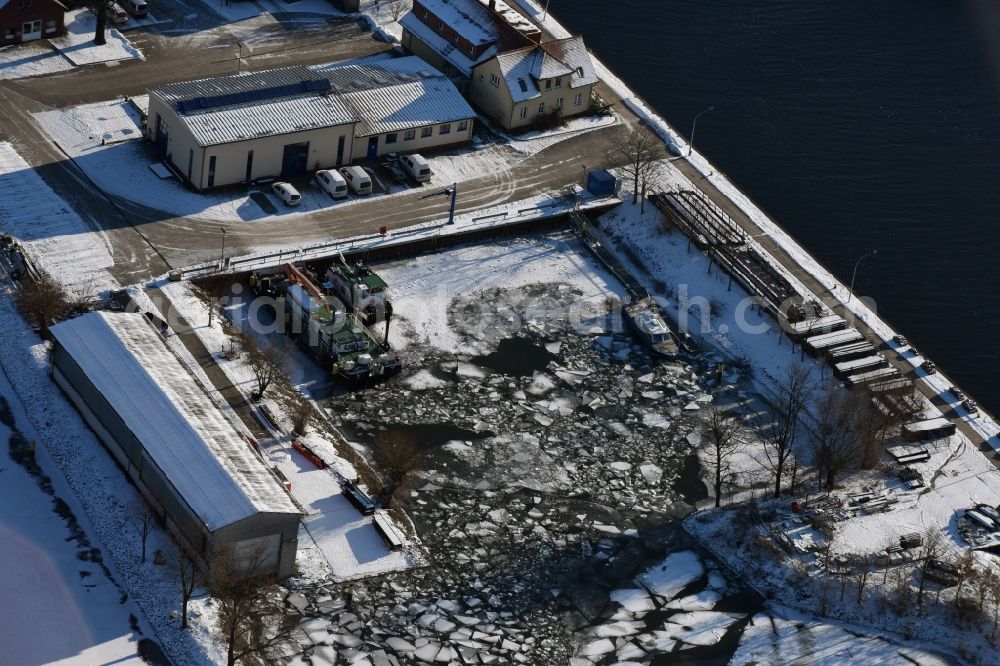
pixel 469 18
pixel 403 93
pixel 246 106
pixel 523 68
pixel 460 60
pixel 183 432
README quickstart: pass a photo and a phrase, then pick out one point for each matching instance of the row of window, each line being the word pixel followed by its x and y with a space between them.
pixel 445 30
pixel 425 132
pixel 577 101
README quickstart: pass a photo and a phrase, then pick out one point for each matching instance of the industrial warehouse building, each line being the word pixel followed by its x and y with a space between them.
pixel 284 123
pixel 202 477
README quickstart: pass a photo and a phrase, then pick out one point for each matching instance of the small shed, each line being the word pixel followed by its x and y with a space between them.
pixel 601 183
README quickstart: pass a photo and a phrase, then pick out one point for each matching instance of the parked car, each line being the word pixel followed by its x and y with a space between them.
pixel 359 181
pixel 137 8
pixel 118 14
pixel 331 182
pixel 287 193
pixel 393 172
pixel 900 340
pixel 417 167
pixel 929 367
pixel 970 407
pixel 957 392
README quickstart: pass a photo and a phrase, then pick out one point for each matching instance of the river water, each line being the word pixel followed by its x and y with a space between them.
pixel 857 126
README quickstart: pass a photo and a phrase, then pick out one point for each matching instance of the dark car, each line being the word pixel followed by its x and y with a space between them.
pixel 392 171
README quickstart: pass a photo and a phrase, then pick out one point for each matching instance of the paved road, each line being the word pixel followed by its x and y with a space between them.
pixel 147 241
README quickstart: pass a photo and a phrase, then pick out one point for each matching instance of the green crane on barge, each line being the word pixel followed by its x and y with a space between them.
pixel 336 338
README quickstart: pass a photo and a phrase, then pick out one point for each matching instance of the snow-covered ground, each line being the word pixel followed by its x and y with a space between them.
pixel 784 636
pixel 60 604
pixel 348 540
pixel 56 238
pixel 107 499
pixel 77 45
pixel 31 59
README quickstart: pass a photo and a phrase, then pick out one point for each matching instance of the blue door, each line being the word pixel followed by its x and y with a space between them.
pixel 373 147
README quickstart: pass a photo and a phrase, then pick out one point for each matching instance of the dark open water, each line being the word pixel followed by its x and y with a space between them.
pixel 857 125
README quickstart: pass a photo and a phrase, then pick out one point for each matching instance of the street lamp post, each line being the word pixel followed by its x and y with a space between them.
pixel 854 274
pixel 222 254
pixel 694 125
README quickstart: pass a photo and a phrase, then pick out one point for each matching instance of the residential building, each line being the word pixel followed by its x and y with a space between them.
pixel 204 479
pixel 402 105
pixel 504 66
pixel 27 20
pixel 518 88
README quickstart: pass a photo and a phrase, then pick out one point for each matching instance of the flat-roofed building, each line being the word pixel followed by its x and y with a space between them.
pixel 236 129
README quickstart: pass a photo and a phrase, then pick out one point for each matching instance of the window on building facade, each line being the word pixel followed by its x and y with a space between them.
pixel 427 131
pixel 524 112
pixel 472 49
pixel 541 108
pixel 548 84
pixel 495 80
pixel 390 138
pixel 409 135
pixel 578 100
pixel 559 103
pixel 558 82
pixel 445 129
pixel 50 26
pixel 463 125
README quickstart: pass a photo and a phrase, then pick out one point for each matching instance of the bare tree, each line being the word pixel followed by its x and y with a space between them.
pixel 873 426
pixel 792 394
pixel 143 520
pixel 43 302
pixel 639 150
pixel 213 289
pixel 836 442
pixel 398 457
pixel 725 435
pixel 932 549
pixel 189 579
pixel 252 619
pixel 301 413
pixel 397 8
pixel 863 573
pixel 267 362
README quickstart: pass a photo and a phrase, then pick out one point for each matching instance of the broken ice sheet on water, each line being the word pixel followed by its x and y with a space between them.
pixel 677 571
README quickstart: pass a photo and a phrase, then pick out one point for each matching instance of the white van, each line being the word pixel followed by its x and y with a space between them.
pixel 287 193
pixel 331 182
pixel 137 8
pixel 359 181
pixel 417 167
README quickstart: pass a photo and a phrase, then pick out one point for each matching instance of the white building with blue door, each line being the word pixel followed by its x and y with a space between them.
pixel 286 123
